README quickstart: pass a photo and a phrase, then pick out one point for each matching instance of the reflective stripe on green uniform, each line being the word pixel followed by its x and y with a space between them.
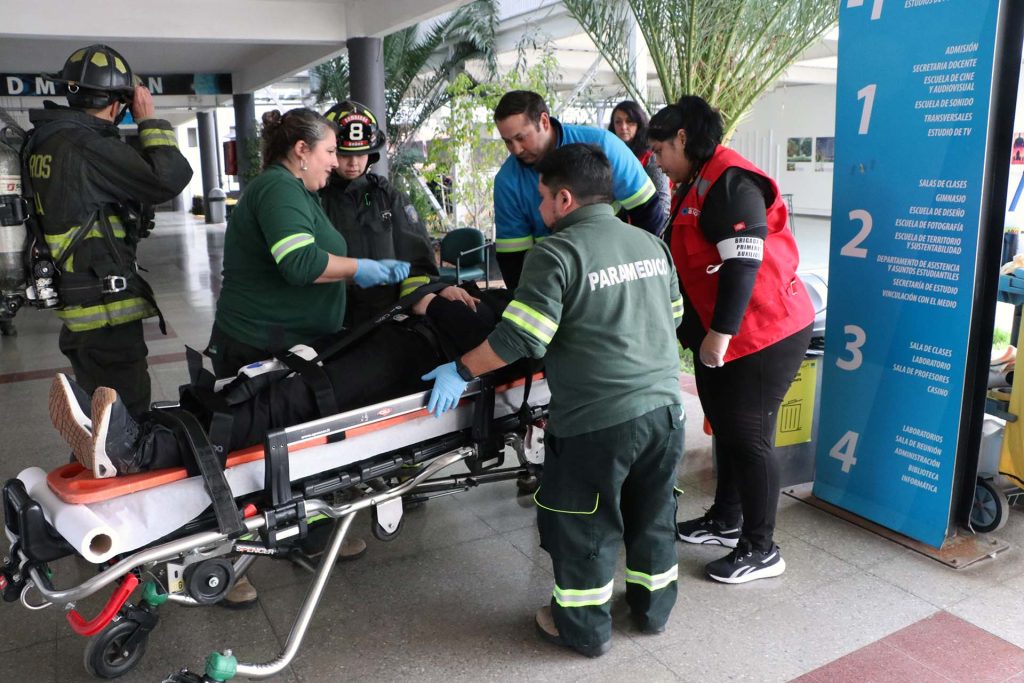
pixel 653 582
pixel 411 284
pixel 677 308
pixel 586 597
pixel 158 137
pixel 82 318
pixel 508 245
pixel 287 245
pixel 534 322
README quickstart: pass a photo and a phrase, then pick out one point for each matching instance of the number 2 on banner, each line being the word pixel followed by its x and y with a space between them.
pixel 876 8
pixel 853 346
pixel 852 247
pixel 867 93
pixel 845 449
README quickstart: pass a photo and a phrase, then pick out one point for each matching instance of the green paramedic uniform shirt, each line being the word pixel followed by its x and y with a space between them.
pixel 277 243
pixel 600 301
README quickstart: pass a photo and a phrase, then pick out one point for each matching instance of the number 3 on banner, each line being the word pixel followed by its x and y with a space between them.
pixel 876 8
pixel 845 449
pixel 853 346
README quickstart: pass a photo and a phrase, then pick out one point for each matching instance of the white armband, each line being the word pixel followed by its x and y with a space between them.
pixel 741 247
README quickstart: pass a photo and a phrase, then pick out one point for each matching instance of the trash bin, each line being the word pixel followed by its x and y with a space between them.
pixel 215 202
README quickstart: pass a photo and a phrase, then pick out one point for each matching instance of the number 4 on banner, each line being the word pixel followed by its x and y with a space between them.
pixel 844 450
pixel 876 8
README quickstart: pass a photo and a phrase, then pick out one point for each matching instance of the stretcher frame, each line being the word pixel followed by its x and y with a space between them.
pixel 282 520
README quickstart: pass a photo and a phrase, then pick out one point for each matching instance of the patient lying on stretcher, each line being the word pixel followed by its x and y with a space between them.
pixel 387 362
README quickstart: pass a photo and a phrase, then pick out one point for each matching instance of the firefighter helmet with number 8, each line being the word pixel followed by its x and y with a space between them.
pixel 358 131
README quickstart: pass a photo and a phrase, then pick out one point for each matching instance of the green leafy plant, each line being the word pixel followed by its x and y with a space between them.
pixel 727 51
pixel 467 149
pixel 415 78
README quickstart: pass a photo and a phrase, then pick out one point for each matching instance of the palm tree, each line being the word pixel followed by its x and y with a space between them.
pixel 727 51
pixel 414 79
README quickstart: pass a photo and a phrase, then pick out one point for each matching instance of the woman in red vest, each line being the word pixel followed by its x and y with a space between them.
pixel 747 318
pixel 629 124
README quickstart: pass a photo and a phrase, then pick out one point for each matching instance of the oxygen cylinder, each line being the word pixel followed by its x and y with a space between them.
pixel 13 233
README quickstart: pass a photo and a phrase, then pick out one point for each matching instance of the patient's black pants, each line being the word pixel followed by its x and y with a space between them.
pixel 386 363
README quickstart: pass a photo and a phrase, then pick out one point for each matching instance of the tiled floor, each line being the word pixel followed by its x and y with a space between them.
pixel 452 598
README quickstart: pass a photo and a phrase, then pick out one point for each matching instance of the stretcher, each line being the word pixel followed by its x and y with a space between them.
pixel 157 528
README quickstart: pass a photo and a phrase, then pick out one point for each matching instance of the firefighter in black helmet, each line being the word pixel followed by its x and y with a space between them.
pixel 376 219
pixel 93 198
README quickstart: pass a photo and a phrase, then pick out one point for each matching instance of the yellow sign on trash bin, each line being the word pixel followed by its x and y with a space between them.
pixel 796 414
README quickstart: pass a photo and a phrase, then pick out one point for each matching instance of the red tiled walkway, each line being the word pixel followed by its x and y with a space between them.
pixel 940 648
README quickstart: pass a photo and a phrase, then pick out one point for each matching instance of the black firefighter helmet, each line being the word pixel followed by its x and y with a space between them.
pixel 96 76
pixel 358 130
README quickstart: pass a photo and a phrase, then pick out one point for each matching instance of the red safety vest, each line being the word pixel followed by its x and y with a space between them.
pixel 779 305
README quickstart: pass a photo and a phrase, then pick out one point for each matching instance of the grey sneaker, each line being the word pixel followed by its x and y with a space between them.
pixel 115 436
pixel 69 413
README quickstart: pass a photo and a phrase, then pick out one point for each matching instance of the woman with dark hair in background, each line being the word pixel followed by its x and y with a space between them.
pixel 747 318
pixel 629 124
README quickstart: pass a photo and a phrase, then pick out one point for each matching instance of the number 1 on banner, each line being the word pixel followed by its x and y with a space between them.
pixel 876 8
pixel 867 93
pixel 845 449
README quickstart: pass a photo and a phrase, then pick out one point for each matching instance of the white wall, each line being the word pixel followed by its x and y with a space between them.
pixel 792 111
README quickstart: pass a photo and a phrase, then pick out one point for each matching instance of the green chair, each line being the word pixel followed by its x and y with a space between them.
pixel 469 253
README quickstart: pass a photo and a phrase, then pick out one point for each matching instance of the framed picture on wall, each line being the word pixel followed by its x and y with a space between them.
pixel 824 153
pixel 1017 152
pixel 798 153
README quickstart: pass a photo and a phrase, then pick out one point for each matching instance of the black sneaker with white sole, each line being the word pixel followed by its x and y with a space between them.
pixel 746 564
pixel 708 531
pixel 115 436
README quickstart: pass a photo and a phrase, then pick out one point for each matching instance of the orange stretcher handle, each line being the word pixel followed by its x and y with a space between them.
pixel 90 628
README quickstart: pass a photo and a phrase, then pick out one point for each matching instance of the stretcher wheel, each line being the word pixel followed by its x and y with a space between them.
pixel 209 581
pixel 380 532
pixel 106 655
pixel 989 511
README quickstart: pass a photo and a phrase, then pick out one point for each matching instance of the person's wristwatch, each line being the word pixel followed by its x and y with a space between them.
pixel 463 371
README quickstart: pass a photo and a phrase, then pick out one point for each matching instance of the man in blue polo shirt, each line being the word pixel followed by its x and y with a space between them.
pixel 529 132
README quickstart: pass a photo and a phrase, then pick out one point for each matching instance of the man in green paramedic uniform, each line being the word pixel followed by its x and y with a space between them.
pixel 599 301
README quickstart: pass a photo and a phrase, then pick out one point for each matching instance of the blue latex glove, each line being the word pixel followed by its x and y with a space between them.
pixel 397 270
pixel 448 388
pixel 370 273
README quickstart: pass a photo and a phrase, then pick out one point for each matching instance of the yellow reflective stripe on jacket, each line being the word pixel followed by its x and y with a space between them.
pixel 287 245
pixel 652 582
pixel 508 245
pixel 535 323
pixel 158 137
pixel 640 196
pixel 411 284
pixel 586 597
pixel 597 501
pixel 82 318
pixel 58 243
pixel 677 308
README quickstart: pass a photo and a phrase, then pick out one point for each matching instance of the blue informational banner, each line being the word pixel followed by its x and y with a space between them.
pixel 914 94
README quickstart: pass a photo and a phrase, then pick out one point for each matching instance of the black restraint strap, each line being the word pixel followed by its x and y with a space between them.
pixel 206 462
pixel 201 389
pixel 315 378
pixel 361 330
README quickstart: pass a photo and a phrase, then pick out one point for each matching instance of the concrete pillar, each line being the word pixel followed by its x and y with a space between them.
pixel 245 134
pixel 638 58
pixel 366 83
pixel 208 156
